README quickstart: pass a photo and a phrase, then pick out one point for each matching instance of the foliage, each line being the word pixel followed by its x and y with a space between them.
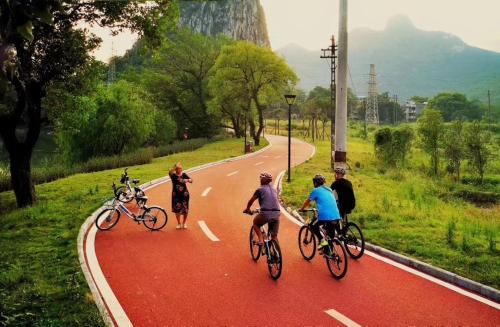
pixel 430 130
pixel 454 147
pixel 119 119
pixel 392 145
pixel 44 43
pixel 389 111
pixel 54 170
pixel 477 150
pixel 258 75
pixel 455 106
pixel 178 77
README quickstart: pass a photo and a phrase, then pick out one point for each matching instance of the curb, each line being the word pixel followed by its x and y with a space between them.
pixel 444 275
pixel 88 223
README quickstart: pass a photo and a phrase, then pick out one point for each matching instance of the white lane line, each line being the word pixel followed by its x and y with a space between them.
pixel 259 163
pixel 233 173
pixel 207 231
pixel 340 317
pixel 205 193
pixel 265 156
pixel 434 280
pixel 277 157
pixel 110 299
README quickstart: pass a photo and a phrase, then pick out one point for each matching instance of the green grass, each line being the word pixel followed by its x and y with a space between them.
pixel 41 283
pixel 409 212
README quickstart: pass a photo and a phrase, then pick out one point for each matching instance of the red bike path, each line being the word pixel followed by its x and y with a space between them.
pixel 182 277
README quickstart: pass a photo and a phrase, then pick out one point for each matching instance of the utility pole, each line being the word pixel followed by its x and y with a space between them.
pixel 489 107
pixel 341 91
pixel 372 108
pixel 394 109
pixel 329 53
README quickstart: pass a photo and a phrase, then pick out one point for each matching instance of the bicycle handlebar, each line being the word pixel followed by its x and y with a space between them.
pixel 251 212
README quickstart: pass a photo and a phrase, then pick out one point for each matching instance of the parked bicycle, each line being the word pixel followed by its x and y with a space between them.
pixel 154 217
pixel 270 249
pixel 334 253
pixel 127 193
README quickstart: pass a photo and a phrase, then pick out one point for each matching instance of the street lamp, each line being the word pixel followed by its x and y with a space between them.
pixel 290 99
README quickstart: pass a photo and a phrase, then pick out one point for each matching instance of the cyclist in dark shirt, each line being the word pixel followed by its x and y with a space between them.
pixel 343 192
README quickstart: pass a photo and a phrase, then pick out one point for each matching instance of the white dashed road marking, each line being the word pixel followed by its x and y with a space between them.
pixel 233 173
pixel 343 319
pixel 205 193
pixel 207 231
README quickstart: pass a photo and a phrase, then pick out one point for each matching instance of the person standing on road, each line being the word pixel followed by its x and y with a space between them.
pixel 342 189
pixel 180 194
pixel 328 213
pixel 269 207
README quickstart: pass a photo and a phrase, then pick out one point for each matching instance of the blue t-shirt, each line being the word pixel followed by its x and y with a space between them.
pixel 325 203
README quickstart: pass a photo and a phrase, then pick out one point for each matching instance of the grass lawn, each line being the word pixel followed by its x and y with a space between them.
pixel 409 212
pixel 41 283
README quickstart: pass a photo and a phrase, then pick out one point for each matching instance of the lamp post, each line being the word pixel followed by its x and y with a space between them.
pixel 290 99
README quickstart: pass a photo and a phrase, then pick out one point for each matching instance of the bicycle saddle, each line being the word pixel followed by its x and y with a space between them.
pixel 136 181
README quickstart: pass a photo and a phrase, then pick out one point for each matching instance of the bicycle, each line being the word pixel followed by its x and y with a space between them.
pixel 352 237
pixel 270 249
pixel 126 193
pixel 334 253
pixel 153 218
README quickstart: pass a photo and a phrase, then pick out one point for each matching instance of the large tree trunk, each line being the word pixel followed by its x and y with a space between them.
pixel 20 151
pixel 20 172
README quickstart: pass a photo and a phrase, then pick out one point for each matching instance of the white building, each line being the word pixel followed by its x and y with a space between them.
pixel 413 110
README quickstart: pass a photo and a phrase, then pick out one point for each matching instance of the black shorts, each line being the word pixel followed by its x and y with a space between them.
pixel 271 219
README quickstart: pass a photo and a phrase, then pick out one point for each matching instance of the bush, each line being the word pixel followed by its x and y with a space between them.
pixel 53 171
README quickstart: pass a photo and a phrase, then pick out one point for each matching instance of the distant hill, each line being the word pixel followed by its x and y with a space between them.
pixel 408 62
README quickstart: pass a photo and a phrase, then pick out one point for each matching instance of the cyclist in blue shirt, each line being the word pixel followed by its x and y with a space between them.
pixel 328 212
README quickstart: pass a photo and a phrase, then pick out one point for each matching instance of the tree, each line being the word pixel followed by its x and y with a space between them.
pixel 454 148
pixel 389 112
pixel 392 145
pixel 44 43
pixel 477 151
pixel 181 72
pixel 455 106
pixel 258 72
pixel 419 99
pixel 402 138
pixel 430 130
pixel 119 118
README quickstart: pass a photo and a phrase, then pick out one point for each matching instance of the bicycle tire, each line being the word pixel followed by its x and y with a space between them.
pixel 336 260
pixel 107 219
pixel 254 247
pixel 123 195
pixel 307 242
pixel 352 239
pixel 275 260
pixel 154 218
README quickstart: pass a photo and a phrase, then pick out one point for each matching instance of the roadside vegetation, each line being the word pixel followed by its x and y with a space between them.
pixel 449 223
pixel 41 283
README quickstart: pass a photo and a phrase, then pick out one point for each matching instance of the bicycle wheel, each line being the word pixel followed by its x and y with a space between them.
pixel 354 241
pixel 336 260
pixel 254 246
pixel 123 195
pixel 107 219
pixel 275 260
pixel 155 218
pixel 307 243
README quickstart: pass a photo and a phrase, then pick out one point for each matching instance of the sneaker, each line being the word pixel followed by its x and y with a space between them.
pixel 185 226
pixel 178 226
pixel 322 245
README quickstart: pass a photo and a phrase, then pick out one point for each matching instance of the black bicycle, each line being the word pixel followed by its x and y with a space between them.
pixel 270 249
pixel 127 193
pixel 334 253
pixel 352 237
pixel 154 217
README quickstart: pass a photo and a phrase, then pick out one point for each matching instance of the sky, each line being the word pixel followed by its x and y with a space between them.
pixel 310 23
